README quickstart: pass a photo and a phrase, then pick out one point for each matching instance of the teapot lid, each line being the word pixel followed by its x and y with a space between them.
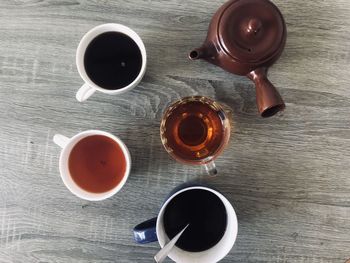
pixel 251 31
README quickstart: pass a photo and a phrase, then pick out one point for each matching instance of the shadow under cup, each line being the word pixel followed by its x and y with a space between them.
pixel 195 130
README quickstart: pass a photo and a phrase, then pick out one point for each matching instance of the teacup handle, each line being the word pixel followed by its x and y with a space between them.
pixel 84 92
pixel 146 232
pixel 60 140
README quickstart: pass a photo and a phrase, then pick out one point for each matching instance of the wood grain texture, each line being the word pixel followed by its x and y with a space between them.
pixel 288 177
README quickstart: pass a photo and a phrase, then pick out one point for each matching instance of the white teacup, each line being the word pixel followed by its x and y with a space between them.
pixel 90 87
pixel 67 144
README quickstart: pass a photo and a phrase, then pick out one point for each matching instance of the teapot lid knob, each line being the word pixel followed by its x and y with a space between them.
pixel 254 26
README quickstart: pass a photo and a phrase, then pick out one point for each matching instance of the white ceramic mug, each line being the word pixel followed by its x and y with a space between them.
pixel 153 230
pixel 67 145
pixel 90 87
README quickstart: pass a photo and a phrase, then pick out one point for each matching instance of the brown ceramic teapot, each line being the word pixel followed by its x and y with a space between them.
pixel 245 37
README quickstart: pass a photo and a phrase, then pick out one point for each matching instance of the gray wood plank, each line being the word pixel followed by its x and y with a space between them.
pixel 287 177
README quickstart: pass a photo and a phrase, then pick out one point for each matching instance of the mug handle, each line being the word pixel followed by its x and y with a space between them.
pixel 60 140
pixel 146 232
pixel 84 92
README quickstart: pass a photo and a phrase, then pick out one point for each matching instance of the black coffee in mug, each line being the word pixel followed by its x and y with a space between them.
pixel 204 212
pixel 112 60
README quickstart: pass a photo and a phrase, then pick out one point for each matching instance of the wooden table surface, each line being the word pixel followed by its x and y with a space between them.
pixel 288 177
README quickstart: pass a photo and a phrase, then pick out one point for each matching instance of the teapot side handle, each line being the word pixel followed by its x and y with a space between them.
pixel 268 99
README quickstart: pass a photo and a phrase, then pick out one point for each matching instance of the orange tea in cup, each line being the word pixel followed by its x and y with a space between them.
pixel 195 130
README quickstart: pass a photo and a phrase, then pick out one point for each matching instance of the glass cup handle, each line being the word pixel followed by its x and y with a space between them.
pixel 211 168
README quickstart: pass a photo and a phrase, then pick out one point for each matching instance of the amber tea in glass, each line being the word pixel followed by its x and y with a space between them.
pixel 195 130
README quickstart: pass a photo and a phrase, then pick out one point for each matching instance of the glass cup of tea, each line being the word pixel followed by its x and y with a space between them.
pixel 195 130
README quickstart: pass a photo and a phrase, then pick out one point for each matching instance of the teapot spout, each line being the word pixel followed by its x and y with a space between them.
pixel 199 53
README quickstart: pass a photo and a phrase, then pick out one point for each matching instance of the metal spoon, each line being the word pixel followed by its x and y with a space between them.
pixel 163 253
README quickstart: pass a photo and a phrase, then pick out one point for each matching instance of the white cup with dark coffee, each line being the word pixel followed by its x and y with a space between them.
pixel 212 225
pixel 110 58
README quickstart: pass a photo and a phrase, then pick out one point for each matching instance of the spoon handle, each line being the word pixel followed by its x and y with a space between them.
pixel 163 253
